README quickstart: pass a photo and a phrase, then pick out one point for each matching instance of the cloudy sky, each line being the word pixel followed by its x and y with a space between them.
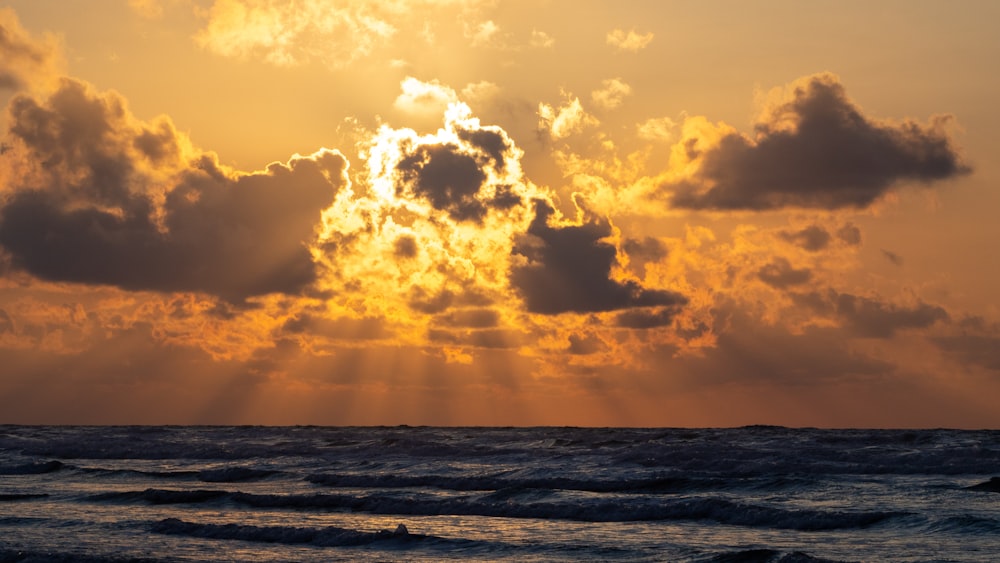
pixel 507 213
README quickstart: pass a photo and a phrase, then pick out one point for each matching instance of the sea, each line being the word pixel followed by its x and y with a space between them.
pixel 249 493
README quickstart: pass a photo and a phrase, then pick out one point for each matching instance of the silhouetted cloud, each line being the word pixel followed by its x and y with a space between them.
pixel 116 201
pixel 647 248
pixel 489 338
pixel 465 176
pixel 647 318
pixel 815 150
pixel 469 318
pixel 977 349
pixel 568 269
pixel 870 318
pixel 850 234
pixel 891 256
pixel 581 345
pixel 780 274
pixel 749 350
pixel 345 328
pixel 812 238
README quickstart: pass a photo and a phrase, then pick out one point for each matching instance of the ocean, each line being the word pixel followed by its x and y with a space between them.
pixel 753 494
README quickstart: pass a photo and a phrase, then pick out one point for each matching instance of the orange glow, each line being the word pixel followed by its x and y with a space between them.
pixel 495 217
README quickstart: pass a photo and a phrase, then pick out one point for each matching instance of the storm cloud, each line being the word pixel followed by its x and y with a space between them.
pixel 816 149
pixel 108 199
pixel 567 269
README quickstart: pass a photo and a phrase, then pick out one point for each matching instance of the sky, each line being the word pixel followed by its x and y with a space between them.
pixel 441 212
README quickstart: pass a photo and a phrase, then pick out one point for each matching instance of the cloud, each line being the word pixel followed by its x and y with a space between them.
pixel 656 129
pixel 812 238
pixel 582 345
pixel 342 328
pixel 975 349
pixel 647 318
pixel 892 257
pixel 467 173
pixel 424 98
pixel 631 41
pixel 780 274
pixel 541 40
pixel 490 338
pixel 103 198
pixel 850 234
pixel 561 122
pixel 611 94
pixel 483 33
pixel 469 318
pixel 567 268
pixel 751 351
pixel 25 61
pixel 871 318
pixel 813 149
pixel 302 31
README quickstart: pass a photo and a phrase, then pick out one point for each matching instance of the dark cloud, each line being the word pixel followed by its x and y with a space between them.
pixel 816 150
pixel 850 234
pixel 405 247
pixel 891 256
pixel 489 338
pixel 870 318
pixel 493 143
pixel 812 238
pixel 6 323
pixel 747 349
pixel 647 248
pixel 344 328
pixel 110 201
pixel 780 274
pixel 421 301
pixel 448 178
pixel 646 318
pixel 568 269
pixel 981 350
pixel 434 303
pixel 469 318
pixel 581 345
pixel 454 177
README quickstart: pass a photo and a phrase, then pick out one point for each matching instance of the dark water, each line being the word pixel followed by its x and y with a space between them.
pixel 757 494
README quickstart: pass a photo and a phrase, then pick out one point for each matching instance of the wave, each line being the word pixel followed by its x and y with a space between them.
pixel 235 474
pixel 26 556
pixel 37 468
pixel 737 452
pixel 161 496
pixel 506 505
pixel 219 475
pixel 329 536
pixel 766 556
pixel 992 486
pixel 656 484
pixel 13 497
pixel 966 524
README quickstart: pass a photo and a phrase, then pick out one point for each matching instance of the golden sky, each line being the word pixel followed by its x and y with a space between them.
pixel 499 213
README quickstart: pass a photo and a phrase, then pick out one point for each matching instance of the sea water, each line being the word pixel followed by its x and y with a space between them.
pixel 479 494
